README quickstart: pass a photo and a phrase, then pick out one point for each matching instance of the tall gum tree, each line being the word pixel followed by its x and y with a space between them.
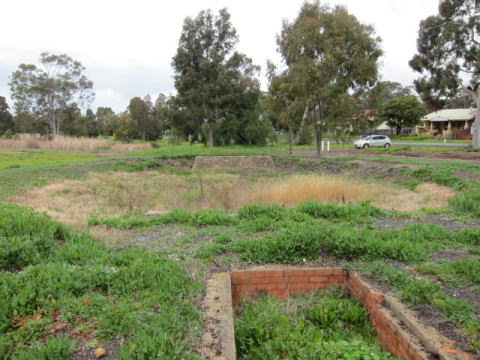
pixel 48 90
pixel 211 78
pixel 331 54
pixel 448 57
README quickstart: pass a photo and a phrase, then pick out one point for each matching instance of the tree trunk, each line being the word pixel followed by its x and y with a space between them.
pixel 476 125
pixel 318 138
pixel 399 130
pixel 290 140
pixel 210 135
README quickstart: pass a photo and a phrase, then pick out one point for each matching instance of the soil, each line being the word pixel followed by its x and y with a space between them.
pixel 111 347
pixel 442 220
pixel 450 255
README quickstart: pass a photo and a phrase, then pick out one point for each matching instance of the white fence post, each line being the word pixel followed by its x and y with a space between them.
pixel 328 145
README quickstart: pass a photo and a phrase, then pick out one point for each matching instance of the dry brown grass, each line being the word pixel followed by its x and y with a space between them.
pixel 425 196
pixel 325 189
pixel 34 141
pixel 74 202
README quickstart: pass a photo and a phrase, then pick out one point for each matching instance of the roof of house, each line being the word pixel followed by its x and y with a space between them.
pixel 451 115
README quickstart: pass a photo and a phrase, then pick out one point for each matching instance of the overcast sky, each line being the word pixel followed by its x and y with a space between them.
pixel 127 46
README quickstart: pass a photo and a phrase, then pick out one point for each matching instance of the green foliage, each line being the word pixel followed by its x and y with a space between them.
pixel 348 213
pixel 467 202
pixel 216 86
pixel 447 53
pixel 440 176
pixel 323 65
pixel 178 216
pixel 7 124
pixel 130 293
pixel 325 325
pixel 454 272
pixel 48 90
pixel 409 184
pixel 25 237
pixel 302 233
pixel 403 111
pixel 54 348
pixel 124 127
pixel 469 236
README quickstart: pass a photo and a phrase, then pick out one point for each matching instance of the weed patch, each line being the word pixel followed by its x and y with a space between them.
pixel 76 284
pixel 467 201
pixel 324 325
pixel 442 176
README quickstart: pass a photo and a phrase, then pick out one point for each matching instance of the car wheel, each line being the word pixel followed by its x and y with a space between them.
pixel 387 145
pixel 365 146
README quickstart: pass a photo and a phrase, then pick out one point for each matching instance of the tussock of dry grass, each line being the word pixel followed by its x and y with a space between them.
pixel 34 141
pixel 296 189
pixel 425 196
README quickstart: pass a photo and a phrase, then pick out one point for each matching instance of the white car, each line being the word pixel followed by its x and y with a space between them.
pixel 373 141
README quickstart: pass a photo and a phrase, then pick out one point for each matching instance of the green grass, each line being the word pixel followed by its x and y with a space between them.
pixel 323 325
pixel 467 202
pixel 273 234
pixel 13 180
pixel 15 158
pixel 454 273
pixel 67 277
pixel 441 176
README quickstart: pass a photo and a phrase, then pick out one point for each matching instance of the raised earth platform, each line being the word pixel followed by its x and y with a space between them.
pixel 233 162
pixel 397 329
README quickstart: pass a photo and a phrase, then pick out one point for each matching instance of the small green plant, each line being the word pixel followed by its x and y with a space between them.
pixel 324 325
pixel 409 184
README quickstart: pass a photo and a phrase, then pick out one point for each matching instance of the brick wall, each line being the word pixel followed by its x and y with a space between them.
pixel 282 283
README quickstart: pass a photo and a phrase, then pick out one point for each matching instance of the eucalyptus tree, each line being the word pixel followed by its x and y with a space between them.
pixel 214 82
pixel 284 101
pixel 48 90
pixel 330 54
pixel 448 57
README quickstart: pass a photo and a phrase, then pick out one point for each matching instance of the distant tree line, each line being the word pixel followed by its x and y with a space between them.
pixel 328 83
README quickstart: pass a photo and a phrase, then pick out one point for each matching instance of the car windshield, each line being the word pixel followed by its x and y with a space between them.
pixel 367 138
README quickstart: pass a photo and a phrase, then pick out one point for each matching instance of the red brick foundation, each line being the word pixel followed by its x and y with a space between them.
pixel 282 283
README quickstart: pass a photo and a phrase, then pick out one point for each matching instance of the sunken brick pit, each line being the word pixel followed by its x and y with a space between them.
pixel 397 330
